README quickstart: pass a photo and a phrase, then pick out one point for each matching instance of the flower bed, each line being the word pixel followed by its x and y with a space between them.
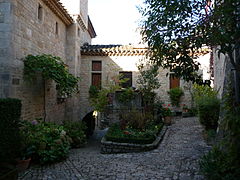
pixel 131 135
pixel 109 147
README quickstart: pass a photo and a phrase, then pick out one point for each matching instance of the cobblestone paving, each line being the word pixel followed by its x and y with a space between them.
pixel 176 158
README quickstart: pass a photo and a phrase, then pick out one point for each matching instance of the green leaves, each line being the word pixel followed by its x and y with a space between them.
pixel 176 30
pixel 175 95
pixel 51 67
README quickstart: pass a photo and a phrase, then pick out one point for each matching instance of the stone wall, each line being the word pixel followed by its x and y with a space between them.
pixel 5 49
pixel 22 32
pixel 111 65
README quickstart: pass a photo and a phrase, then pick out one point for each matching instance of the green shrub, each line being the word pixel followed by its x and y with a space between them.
pixel 130 135
pixel 10 112
pixel 208 111
pixel 126 95
pixel 200 91
pixel 93 91
pixel 136 119
pixel 76 131
pixel 166 112
pixel 175 95
pixel 48 141
pixel 219 165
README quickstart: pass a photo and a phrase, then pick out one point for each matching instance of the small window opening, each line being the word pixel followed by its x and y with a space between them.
pixel 56 28
pixel 78 32
pixel 40 12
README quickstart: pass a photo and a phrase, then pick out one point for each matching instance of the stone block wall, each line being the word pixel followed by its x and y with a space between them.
pixel 22 33
pixel 109 70
pixel 5 50
pixel 34 36
pixel 111 65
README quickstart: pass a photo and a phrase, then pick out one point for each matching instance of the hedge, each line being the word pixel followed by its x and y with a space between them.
pixel 10 112
pixel 208 110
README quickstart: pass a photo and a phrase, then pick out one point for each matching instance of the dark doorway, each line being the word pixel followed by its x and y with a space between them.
pixel 89 119
pixel 126 75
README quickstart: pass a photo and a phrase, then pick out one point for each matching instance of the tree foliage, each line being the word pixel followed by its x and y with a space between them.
pixel 148 79
pixel 176 29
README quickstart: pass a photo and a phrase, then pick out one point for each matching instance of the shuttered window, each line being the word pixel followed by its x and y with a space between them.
pixel 128 75
pixel 96 79
pixel 174 82
pixel 96 66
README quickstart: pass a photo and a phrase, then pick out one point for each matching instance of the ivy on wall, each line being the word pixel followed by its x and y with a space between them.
pixel 51 67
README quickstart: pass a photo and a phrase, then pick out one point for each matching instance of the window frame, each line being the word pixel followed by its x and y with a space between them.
pixel 97 61
pixel 127 84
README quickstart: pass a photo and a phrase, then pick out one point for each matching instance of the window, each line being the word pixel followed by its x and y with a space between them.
pixel 128 75
pixel 40 12
pixel 56 28
pixel 96 66
pixel 97 79
pixel 96 74
pixel 174 82
pixel 78 32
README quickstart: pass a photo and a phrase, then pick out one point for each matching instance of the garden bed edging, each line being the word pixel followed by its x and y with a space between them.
pixel 109 147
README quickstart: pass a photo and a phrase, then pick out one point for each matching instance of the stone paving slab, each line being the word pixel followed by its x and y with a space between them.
pixel 176 158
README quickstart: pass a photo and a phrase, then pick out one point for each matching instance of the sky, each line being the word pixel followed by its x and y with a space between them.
pixel 115 21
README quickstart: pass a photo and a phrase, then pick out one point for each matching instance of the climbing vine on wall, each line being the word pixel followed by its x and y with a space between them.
pixel 51 67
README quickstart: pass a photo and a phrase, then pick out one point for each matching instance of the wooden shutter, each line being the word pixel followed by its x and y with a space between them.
pixel 174 82
pixel 96 79
pixel 127 75
pixel 96 66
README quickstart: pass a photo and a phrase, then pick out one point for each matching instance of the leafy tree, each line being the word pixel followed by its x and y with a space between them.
pixel 176 29
pixel 148 81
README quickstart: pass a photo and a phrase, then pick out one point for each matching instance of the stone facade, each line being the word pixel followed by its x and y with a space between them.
pixel 114 59
pixel 40 27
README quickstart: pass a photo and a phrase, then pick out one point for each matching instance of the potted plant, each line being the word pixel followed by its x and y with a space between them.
pixel 26 156
pixel 175 96
pixel 167 114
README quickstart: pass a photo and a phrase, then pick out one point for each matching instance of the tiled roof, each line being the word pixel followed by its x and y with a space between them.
pixel 57 7
pixel 112 50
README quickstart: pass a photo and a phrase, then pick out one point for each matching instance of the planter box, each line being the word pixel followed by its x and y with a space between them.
pixel 109 147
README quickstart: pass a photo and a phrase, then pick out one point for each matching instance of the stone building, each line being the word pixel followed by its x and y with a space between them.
pixel 101 63
pixel 42 27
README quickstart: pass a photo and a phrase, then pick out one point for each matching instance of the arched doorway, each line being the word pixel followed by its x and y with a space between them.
pixel 90 119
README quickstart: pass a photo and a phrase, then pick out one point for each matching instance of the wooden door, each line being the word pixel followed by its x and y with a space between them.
pixel 174 82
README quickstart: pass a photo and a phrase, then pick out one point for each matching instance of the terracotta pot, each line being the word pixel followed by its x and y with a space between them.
pixel 23 164
pixel 168 120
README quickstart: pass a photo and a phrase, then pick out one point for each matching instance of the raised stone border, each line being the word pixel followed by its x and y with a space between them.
pixel 109 147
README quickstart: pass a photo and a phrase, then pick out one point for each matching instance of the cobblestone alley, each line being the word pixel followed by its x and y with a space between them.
pixel 176 158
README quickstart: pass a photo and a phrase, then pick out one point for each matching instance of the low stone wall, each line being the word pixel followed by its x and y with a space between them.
pixel 109 147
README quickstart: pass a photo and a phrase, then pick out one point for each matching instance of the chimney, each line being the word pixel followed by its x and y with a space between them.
pixel 76 7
